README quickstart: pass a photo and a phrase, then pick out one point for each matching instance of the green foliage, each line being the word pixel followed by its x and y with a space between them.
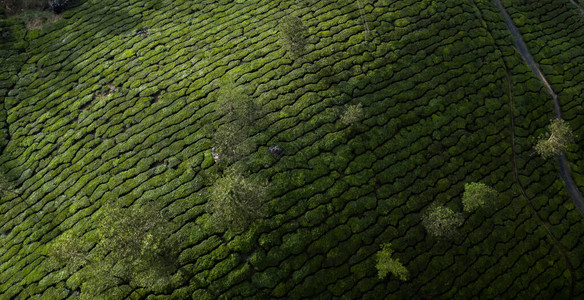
pixel 293 35
pixel 477 195
pixel 66 251
pixel 231 143
pixel 386 264
pixel 136 233
pixel 352 114
pixel 133 248
pixel 5 186
pixel 235 105
pixel 441 221
pixel 555 141
pixel 236 200
pixel 232 139
pixel 416 141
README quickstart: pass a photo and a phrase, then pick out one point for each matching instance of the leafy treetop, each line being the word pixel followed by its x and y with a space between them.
pixel 477 195
pixel 441 221
pixel 386 264
pixel 556 140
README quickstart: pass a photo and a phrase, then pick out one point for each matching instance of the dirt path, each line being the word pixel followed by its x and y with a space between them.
pixel 555 241
pixel 578 6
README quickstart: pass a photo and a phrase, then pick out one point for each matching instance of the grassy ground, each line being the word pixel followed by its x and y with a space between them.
pixel 113 102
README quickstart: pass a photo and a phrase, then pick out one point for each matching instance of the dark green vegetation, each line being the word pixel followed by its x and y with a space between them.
pixel 34 13
pixel 117 104
pixel 293 35
pixel 14 6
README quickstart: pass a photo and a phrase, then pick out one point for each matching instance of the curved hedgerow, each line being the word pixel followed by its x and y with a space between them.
pixel 117 102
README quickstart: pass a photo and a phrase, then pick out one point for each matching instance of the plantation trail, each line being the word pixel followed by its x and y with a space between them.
pixel 578 6
pixel 547 226
pixel 571 186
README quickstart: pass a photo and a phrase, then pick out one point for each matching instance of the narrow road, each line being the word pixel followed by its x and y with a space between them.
pixel 571 186
pixel 578 6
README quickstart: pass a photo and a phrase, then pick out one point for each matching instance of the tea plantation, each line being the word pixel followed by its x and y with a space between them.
pixel 117 103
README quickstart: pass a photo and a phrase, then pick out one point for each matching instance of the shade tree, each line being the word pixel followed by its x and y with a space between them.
pixel 556 139
pixel 441 221
pixel 293 34
pixel 134 247
pixel 236 199
pixel 476 195
pixel 386 264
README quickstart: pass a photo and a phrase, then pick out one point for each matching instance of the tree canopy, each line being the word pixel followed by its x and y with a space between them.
pixel 441 221
pixel 293 35
pixel 477 195
pixel 555 140
pixel 133 248
pixel 386 264
pixel 237 113
pixel 236 199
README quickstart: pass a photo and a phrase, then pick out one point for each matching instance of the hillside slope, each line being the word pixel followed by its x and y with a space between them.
pixel 116 102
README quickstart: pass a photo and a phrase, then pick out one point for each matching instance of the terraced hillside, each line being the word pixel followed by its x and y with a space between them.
pixel 117 103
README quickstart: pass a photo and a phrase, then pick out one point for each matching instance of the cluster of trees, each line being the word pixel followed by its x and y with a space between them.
pixel 236 197
pixel 134 247
pixel 134 244
pixel 442 222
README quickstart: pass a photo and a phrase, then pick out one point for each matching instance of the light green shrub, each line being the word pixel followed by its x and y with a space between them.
pixel 386 264
pixel 352 114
